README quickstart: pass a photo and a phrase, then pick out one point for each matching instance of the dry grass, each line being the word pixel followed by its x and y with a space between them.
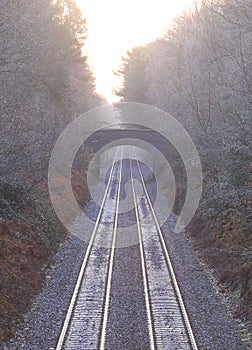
pixel 30 234
pixel 226 249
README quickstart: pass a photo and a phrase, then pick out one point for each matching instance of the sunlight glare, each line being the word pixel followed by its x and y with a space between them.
pixel 114 27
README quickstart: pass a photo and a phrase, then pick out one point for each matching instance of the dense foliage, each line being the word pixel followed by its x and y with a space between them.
pixel 44 81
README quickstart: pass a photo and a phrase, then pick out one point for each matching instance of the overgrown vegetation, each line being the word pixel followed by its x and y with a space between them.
pixel 30 234
pixel 45 82
pixel 201 73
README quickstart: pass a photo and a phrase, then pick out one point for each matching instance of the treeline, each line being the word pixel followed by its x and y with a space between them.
pixel 45 82
pixel 201 73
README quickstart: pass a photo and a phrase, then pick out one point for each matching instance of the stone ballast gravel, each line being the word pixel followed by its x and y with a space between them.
pixel 41 326
pixel 213 328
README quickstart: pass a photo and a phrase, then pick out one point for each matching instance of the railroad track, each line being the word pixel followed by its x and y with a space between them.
pixel 87 320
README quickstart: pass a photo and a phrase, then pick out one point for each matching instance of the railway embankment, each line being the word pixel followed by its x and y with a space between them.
pixel 30 235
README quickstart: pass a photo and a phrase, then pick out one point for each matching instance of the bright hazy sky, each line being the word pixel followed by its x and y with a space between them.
pixel 115 26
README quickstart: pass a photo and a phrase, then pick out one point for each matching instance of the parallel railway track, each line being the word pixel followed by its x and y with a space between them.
pixel 87 319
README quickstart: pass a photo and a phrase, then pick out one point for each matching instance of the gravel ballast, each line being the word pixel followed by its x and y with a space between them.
pixel 213 328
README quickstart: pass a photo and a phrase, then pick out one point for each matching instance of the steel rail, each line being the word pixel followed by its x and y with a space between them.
pixel 104 298
pixel 170 266
pixel 144 268
pixel 110 267
pixel 68 317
